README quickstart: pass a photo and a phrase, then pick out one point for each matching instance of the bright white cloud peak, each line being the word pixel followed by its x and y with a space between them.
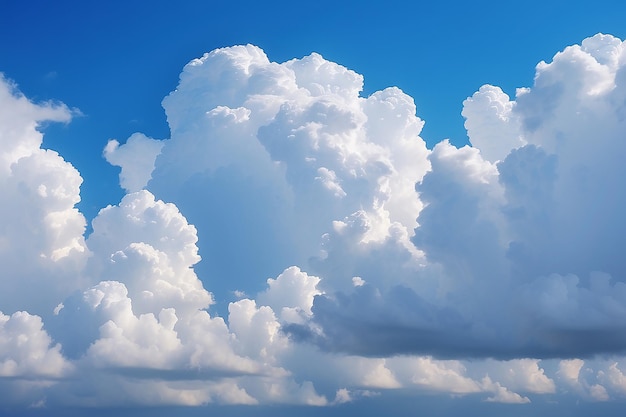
pixel 509 249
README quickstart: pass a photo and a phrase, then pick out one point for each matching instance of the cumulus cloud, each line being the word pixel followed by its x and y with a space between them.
pixel 502 394
pixel 492 124
pixel 27 351
pixel 19 122
pixel 520 234
pixel 291 294
pixel 121 307
pixel 41 234
pixel 148 245
pixel 389 264
pixel 522 374
pixel 613 377
pixel 136 159
pixel 283 150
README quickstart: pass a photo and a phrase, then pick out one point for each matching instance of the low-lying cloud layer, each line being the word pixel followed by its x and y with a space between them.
pixel 391 264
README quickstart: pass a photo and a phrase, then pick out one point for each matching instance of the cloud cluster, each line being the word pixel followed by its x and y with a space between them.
pixel 281 151
pixel 361 260
pixel 83 321
pixel 522 240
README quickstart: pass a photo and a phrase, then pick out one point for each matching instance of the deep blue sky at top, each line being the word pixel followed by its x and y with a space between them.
pixel 116 60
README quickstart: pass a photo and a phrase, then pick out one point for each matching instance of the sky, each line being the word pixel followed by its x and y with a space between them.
pixel 338 208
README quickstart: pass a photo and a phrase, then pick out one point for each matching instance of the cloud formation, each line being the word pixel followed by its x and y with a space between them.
pixel 362 261
pixel 136 160
pixel 521 241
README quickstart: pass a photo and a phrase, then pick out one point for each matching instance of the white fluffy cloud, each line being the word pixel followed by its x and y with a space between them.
pixel 291 294
pixel 149 246
pixel 26 350
pixel 41 234
pixel 389 264
pixel 136 159
pixel 492 124
pixel 521 234
pixel 284 150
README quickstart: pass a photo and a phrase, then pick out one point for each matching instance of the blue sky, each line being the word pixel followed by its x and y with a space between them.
pixel 356 254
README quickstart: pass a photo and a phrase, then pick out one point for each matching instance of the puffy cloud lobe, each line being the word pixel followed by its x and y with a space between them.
pixel 355 247
pixel 291 294
pixel 502 394
pixel 594 380
pixel 256 329
pixel 136 159
pixel 27 351
pixel 447 376
pixel 570 369
pixel 521 374
pixel 146 341
pixel 148 245
pixel 19 121
pixel 186 346
pixel 140 218
pixel 492 125
pixel 614 378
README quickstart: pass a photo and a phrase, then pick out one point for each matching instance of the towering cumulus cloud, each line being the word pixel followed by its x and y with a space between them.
pixel 357 259
pixel 41 234
pixel 523 241
pixel 265 156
